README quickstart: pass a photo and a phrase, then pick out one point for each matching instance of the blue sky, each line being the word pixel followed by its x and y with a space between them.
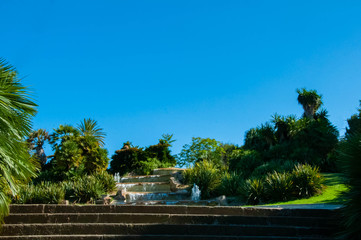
pixel 191 68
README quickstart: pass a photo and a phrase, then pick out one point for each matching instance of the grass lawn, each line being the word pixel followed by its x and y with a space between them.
pixel 334 185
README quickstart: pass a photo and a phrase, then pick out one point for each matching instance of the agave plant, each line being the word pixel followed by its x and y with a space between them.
pixel 16 111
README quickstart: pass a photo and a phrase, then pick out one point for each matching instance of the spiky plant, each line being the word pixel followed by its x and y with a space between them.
pixel 16 111
pixel 310 101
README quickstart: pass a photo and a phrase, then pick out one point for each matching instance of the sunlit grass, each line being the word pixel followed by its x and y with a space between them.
pixel 334 186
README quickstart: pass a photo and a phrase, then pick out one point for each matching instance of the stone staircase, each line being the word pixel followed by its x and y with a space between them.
pixel 105 222
pixel 151 189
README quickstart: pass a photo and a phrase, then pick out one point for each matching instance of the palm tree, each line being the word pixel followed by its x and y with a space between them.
pixel 310 101
pixel 16 111
pixel 36 142
pixel 88 128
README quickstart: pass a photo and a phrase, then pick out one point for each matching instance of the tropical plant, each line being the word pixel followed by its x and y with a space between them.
pixel 245 161
pixel 36 141
pixel 230 184
pixel 310 101
pixel 43 193
pixel 86 189
pixel 206 175
pixel 16 111
pixel 306 180
pixel 350 164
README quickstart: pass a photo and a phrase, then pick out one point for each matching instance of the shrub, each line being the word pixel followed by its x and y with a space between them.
pixel 278 187
pixel 350 163
pixel 245 161
pixel 230 184
pixel 107 181
pixel 84 190
pixel 307 181
pixel 43 193
pixel 206 176
pixel 253 191
pixel 147 167
pixel 278 165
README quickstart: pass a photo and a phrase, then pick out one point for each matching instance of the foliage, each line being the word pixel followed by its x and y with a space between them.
pixel 230 184
pixel 143 161
pixel 201 149
pixel 43 193
pixel 350 164
pixel 310 101
pixel 36 142
pixel 253 190
pixel 354 124
pixel 278 186
pixel 306 180
pixel 245 161
pixel 261 138
pixel 206 175
pixel 278 165
pixel 16 111
pixel 127 159
pixel 86 189
pixel 147 167
pixel 106 180
pixel 81 146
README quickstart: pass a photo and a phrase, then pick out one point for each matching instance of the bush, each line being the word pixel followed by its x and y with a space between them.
pixel 206 176
pixel 107 181
pixel 147 167
pixel 245 161
pixel 274 165
pixel 278 187
pixel 350 163
pixel 43 193
pixel 307 181
pixel 230 184
pixel 253 191
pixel 84 190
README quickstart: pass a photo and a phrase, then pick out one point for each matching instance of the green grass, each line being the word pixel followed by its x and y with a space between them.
pixel 334 186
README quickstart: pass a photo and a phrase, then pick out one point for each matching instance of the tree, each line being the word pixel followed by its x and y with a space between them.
pixel 16 112
pixel 310 101
pixel 201 149
pixel 36 142
pixel 354 123
pixel 81 146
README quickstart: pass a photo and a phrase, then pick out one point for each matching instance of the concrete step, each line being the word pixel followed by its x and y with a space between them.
pixel 160 229
pixel 174 209
pixel 20 218
pixel 144 186
pixel 146 178
pixel 149 196
pixel 153 237
pixel 167 171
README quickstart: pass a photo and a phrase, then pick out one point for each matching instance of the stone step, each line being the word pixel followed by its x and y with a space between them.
pixel 167 171
pixel 160 229
pixel 132 197
pixel 146 178
pixel 20 218
pixel 144 186
pixel 174 209
pixel 153 237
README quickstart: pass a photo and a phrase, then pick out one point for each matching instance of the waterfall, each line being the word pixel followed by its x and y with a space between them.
pixel 196 193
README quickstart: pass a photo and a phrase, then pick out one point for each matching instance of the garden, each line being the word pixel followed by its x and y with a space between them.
pixel 288 160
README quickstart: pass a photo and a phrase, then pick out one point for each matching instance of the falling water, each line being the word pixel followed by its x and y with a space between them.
pixel 196 193
pixel 117 177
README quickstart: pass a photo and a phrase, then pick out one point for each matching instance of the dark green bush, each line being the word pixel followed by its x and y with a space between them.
pixel 307 181
pixel 253 191
pixel 245 161
pixel 147 167
pixel 278 187
pixel 230 184
pixel 84 190
pixel 206 175
pixel 278 165
pixel 43 193
pixel 350 163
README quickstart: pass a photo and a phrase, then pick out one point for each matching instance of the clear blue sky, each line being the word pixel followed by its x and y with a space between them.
pixel 191 68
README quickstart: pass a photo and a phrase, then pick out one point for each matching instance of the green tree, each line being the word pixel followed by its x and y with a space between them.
pixel 310 101
pixel 354 124
pixel 36 141
pixel 81 146
pixel 201 149
pixel 16 112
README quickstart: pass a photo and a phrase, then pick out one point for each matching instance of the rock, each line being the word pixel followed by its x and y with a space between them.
pixel 66 202
pixel 222 200
pixel 107 200
pixel 173 184
pixel 120 196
